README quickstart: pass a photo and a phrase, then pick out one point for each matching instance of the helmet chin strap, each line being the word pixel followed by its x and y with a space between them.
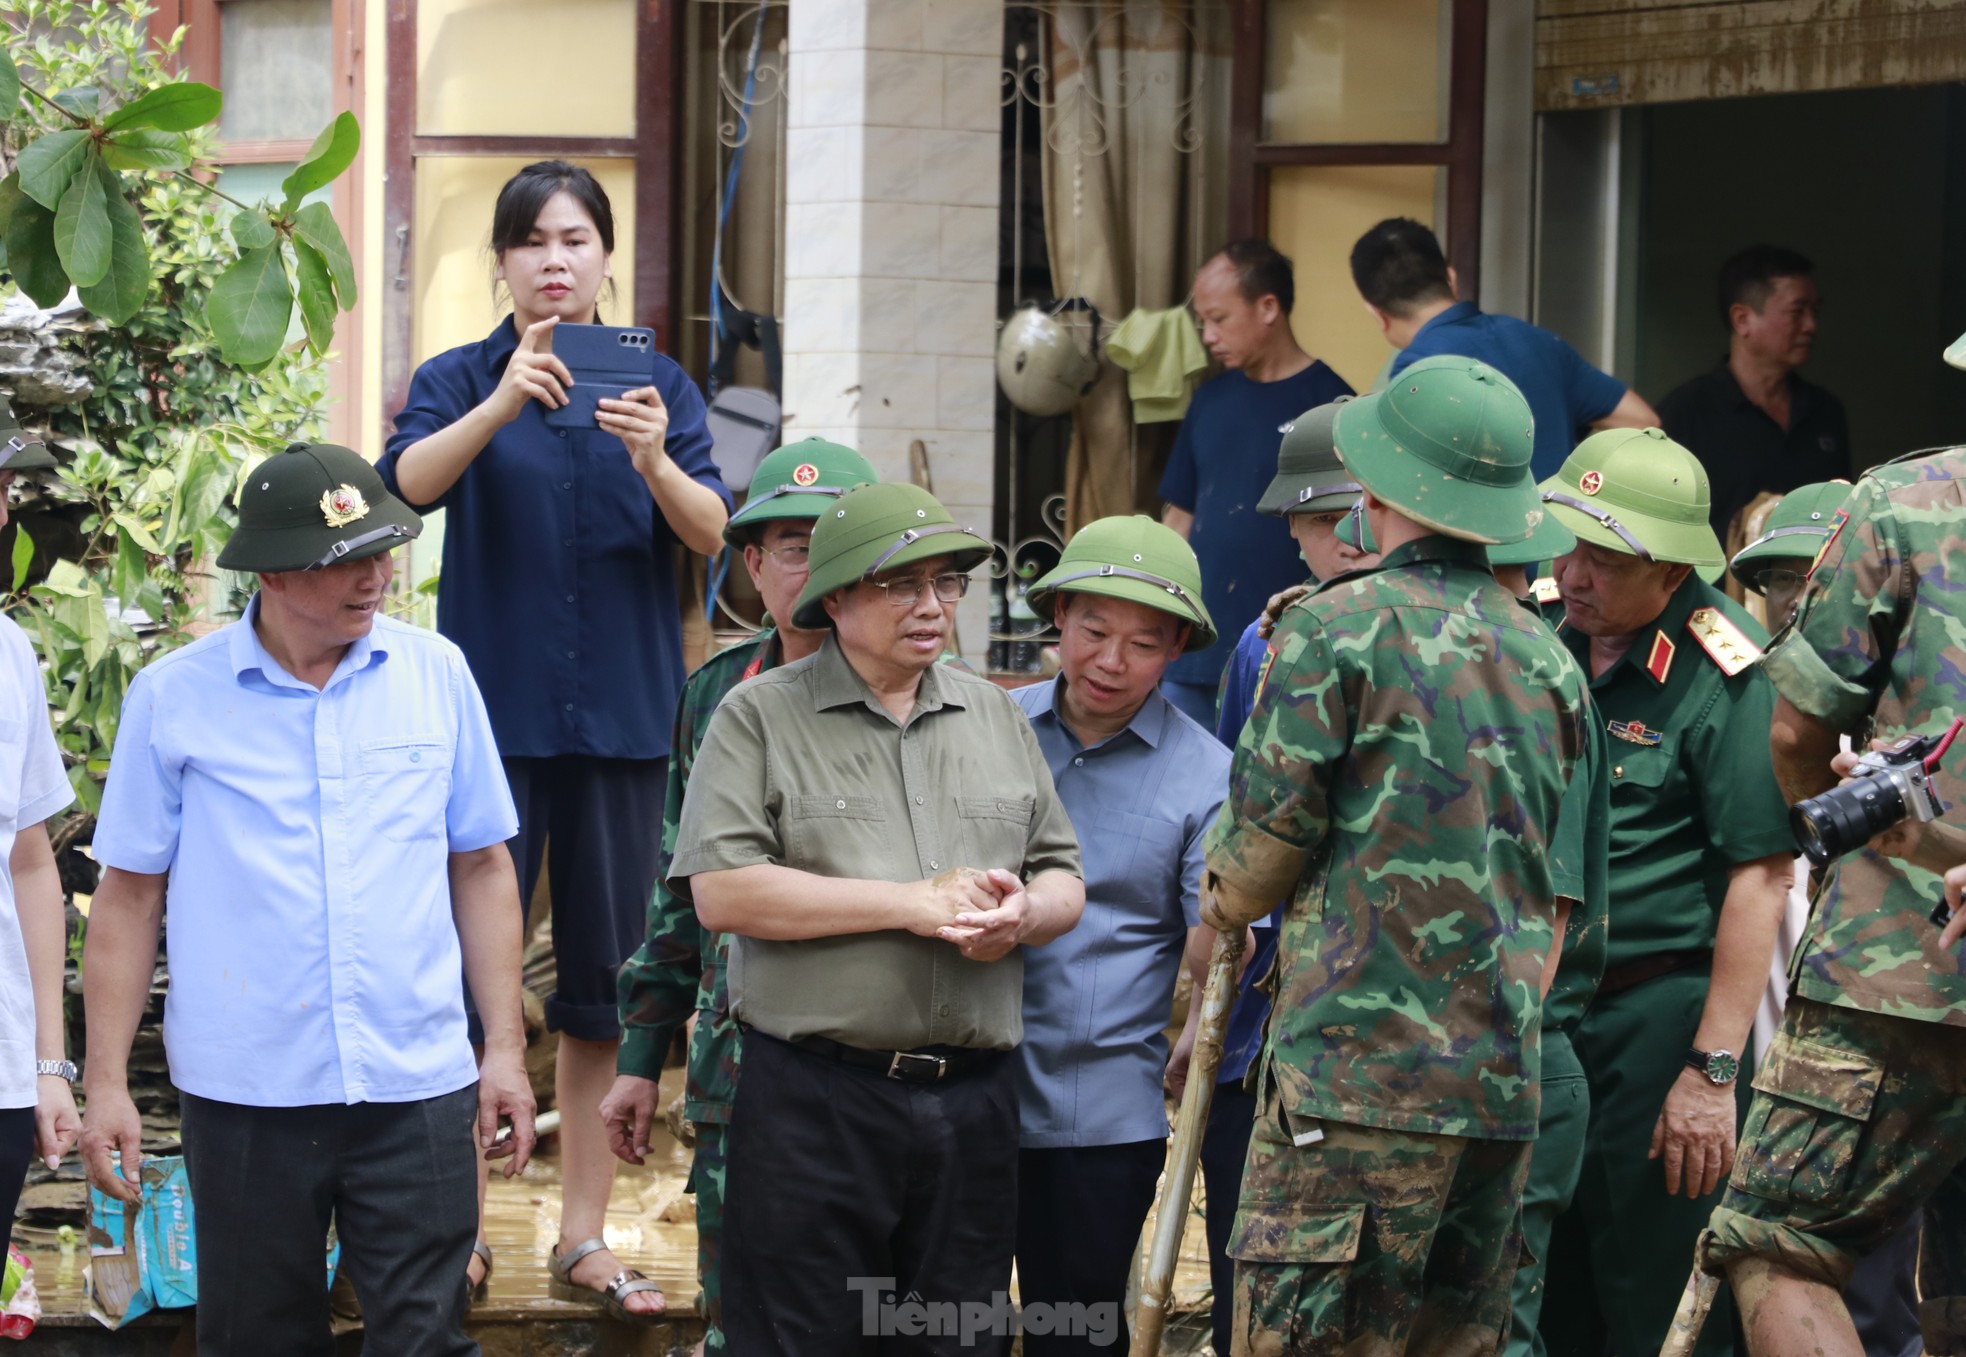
pixel 342 548
pixel 1602 516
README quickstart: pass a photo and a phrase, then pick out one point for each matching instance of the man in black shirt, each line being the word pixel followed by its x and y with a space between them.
pixel 1752 421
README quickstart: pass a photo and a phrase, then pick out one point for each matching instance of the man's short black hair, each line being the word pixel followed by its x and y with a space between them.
pixel 1262 270
pixel 1397 266
pixel 1749 277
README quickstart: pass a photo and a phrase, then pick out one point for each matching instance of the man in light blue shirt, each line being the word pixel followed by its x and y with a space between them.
pixel 314 793
pixel 1142 782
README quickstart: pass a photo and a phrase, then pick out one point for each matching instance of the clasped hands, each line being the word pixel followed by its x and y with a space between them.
pixel 984 913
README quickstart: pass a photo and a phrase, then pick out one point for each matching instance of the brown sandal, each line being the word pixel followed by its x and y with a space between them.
pixel 482 1286
pixel 613 1296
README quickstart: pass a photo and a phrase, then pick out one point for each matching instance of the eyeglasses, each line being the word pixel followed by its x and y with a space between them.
pixel 794 559
pixel 1778 578
pixel 905 593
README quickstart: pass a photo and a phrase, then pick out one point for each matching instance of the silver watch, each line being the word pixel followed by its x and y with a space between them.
pixel 61 1069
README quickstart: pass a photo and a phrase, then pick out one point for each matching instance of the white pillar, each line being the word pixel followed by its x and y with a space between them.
pixel 891 232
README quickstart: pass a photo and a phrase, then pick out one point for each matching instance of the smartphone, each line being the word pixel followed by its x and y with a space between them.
pixel 606 361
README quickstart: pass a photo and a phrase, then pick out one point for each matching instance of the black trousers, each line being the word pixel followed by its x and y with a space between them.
pixel 851 1194
pixel 16 1150
pixel 1224 1150
pixel 603 818
pixel 398 1180
pixel 1079 1213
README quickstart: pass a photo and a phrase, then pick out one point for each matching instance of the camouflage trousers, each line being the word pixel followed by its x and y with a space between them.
pixel 1358 1240
pixel 706 1180
pixel 1858 1122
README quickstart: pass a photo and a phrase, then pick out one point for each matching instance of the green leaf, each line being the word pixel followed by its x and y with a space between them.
pixel 47 164
pixel 315 224
pixel 177 107
pixel 250 306
pixel 23 556
pixel 82 223
pixel 83 101
pixel 31 253
pixel 135 529
pixel 316 293
pixel 120 293
pixel 145 148
pixel 9 86
pixel 67 579
pixel 10 196
pixel 332 152
pixel 131 567
pixel 251 230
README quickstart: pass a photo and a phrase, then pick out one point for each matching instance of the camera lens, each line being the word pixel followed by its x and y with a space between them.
pixel 1842 818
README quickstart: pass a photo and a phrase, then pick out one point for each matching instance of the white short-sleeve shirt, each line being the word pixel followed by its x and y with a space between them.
pixel 33 786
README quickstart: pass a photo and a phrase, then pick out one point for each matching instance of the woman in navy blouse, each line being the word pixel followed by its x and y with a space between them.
pixel 559 585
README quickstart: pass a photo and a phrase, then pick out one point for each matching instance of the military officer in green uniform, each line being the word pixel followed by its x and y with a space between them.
pixel 678 973
pixel 880 834
pixel 1699 872
pixel 1858 1119
pixel 1399 784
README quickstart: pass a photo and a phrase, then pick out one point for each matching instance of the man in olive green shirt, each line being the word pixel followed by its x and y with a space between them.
pixel 881 836
pixel 1700 865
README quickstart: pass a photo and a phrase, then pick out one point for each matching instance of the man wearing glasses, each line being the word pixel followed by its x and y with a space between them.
pixel 1700 863
pixel 680 970
pixel 881 835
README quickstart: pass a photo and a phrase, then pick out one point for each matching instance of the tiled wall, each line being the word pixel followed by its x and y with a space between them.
pixel 891 241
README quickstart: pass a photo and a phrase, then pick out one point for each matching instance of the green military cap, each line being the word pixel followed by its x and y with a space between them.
pixel 1550 540
pixel 1134 558
pixel 1796 527
pixel 798 481
pixel 1355 532
pixel 1637 491
pixel 1447 445
pixel 313 506
pixel 1310 479
pixel 19 449
pixel 872 528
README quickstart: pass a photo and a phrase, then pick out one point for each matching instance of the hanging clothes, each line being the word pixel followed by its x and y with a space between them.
pixel 1162 355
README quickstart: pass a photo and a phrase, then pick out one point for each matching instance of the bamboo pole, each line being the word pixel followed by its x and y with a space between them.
pixel 1178 1183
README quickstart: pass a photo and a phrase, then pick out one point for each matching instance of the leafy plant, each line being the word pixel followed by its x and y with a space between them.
pixel 193 381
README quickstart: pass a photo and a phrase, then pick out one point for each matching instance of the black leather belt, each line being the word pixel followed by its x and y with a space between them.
pixel 1630 974
pixel 910 1067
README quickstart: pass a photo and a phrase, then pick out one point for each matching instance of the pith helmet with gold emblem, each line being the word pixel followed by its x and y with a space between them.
pixel 313 506
pixel 1637 491
pixel 798 481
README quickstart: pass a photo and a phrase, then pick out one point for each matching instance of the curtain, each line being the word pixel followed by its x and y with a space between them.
pixel 1135 125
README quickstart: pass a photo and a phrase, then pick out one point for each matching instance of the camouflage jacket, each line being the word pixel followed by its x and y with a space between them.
pixel 1399 781
pixel 679 968
pixel 1878 650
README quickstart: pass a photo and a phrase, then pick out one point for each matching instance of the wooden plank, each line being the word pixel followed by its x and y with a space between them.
pixel 1801 11
pixel 1249 207
pixel 1713 51
pixel 398 207
pixel 658 92
pixel 1467 108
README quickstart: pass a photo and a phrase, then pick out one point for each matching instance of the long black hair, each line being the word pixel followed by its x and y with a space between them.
pixel 526 193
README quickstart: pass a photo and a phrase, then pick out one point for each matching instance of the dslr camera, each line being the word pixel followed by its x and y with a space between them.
pixel 1887 785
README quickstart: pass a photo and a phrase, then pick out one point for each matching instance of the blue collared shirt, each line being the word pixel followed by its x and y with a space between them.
pixel 1565 393
pixel 308 834
pixel 555 529
pixel 1096 1000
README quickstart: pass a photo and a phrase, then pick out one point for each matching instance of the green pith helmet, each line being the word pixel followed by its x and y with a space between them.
pixel 872 528
pixel 798 481
pixel 313 506
pixel 1355 532
pixel 1637 491
pixel 1310 479
pixel 19 449
pixel 1447 445
pixel 1134 558
pixel 1550 540
pixel 1795 528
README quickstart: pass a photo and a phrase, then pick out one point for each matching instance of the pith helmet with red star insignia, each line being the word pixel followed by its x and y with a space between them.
pixel 1637 491
pixel 313 506
pixel 797 481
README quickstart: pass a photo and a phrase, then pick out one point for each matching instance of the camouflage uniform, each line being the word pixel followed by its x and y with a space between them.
pixel 1399 781
pixel 1859 1114
pixel 679 970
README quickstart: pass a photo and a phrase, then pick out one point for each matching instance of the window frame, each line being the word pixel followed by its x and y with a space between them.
pixel 1251 159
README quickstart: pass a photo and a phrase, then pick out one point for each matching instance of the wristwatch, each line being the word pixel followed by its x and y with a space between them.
pixel 1720 1067
pixel 61 1069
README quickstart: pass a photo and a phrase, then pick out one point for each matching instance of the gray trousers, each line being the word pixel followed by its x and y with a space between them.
pixel 396 1179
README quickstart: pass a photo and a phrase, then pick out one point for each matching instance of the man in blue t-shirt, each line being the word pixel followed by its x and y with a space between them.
pixel 1410 290
pixel 1226 453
